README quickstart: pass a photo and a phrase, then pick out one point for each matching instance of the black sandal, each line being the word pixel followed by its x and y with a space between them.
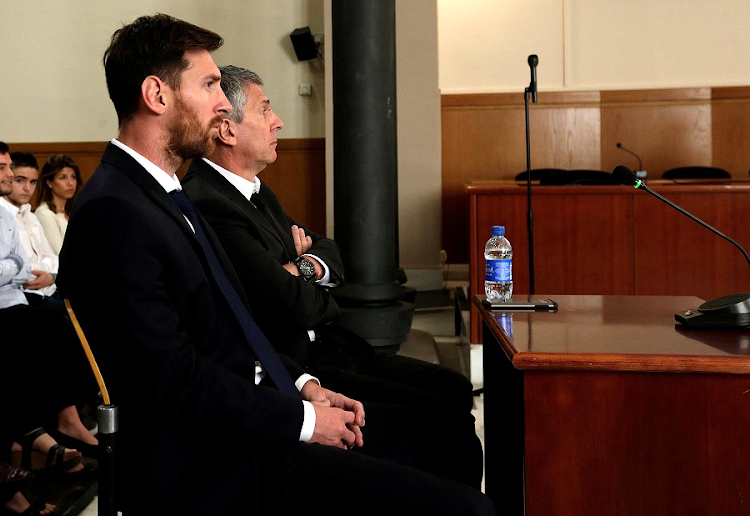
pixel 57 459
pixel 88 450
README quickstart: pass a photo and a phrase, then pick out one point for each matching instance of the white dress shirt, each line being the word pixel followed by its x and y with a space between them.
pixel 11 276
pixel 34 242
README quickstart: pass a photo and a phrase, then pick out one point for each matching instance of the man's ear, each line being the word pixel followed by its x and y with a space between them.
pixel 227 132
pixel 155 94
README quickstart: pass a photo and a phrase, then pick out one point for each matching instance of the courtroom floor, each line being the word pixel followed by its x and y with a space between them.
pixel 434 338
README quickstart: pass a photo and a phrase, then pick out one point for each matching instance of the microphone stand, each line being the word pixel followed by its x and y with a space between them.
pixel 530 214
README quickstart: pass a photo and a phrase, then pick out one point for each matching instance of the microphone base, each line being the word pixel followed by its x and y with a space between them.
pixel 732 311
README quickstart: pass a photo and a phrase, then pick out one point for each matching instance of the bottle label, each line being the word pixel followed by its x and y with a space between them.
pixel 506 323
pixel 498 270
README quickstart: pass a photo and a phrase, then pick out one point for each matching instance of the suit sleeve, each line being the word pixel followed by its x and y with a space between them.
pixel 325 248
pixel 274 294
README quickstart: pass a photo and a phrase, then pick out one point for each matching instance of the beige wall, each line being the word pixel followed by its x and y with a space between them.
pixel 592 44
pixel 419 136
pixel 53 85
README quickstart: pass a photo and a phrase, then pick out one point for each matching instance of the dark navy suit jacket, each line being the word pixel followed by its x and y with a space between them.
pixel 169 348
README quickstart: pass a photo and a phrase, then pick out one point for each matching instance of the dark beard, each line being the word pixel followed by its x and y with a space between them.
pixel 187 139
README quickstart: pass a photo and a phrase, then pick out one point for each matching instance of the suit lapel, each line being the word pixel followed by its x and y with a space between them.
pixel 151 188
pixel 154 191
pixel 278 223
pixel 226 189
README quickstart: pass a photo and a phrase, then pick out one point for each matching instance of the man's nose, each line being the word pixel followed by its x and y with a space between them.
pixel 224 107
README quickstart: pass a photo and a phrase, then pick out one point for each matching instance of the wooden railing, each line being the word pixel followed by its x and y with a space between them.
pixel 297 176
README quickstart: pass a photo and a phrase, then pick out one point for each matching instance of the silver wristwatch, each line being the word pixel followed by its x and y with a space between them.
pixel 306 269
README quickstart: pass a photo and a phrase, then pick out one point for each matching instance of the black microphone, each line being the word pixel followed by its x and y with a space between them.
pixel 640 173
pixel 730 311
pixel 533 61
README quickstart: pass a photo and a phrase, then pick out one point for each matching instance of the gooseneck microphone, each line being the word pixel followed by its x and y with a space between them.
pixel 533 61
pixel 640 163
pixel 732 311
pixel 627 177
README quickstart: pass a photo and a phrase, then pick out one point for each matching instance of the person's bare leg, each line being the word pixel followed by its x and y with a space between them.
pixel 19 503
pixel 43 444
pixel 70 424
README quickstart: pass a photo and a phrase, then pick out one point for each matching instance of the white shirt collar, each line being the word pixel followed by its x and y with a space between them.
pixel 24 210
pixel 5 203
pixel 168 182
pixel 246 188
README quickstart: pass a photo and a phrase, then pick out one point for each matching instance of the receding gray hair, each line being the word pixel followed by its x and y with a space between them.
pixel 234 80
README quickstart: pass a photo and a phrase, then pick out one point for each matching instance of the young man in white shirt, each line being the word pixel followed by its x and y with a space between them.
pixel 44 262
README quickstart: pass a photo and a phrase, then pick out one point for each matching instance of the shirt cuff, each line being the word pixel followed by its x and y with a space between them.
pixel 303 379
pixel 308 424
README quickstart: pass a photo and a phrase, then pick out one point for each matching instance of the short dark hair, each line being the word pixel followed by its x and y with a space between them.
pixel 23 159
pixel 151 45
pixel 4 148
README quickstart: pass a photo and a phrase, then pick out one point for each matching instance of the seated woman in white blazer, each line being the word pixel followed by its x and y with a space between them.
pixel 58 185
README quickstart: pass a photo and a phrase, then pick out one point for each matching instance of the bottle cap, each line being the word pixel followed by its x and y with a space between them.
pixel 498 230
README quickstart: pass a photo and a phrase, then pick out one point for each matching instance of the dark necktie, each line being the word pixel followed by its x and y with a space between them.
pixel 258 341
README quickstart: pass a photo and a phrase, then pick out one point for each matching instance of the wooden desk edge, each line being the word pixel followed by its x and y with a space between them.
pixel 491 187
pixel 530 361
pixel 632 363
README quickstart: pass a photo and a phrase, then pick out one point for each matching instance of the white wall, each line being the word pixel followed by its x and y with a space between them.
pixel 53 86
pixel 592 44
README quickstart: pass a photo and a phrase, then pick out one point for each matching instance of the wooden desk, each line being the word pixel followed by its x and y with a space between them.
pixel 607 407
pixel 615 239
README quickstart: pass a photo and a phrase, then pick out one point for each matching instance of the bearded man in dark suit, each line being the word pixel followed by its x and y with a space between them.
pixel 210 421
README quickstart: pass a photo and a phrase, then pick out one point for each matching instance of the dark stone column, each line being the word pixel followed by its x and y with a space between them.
pixel 365 170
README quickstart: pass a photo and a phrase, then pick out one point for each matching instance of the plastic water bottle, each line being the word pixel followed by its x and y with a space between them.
pixel 498 256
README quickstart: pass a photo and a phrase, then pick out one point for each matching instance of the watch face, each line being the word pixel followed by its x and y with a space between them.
pixel 306 269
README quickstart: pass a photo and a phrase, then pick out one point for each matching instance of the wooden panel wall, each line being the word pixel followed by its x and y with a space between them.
pixel 484 138
pixel 299 179
pixel 86 154
pixel 730 126
pixel 297 176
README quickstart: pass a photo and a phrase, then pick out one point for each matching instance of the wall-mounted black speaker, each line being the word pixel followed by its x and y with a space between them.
pixel 304 44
